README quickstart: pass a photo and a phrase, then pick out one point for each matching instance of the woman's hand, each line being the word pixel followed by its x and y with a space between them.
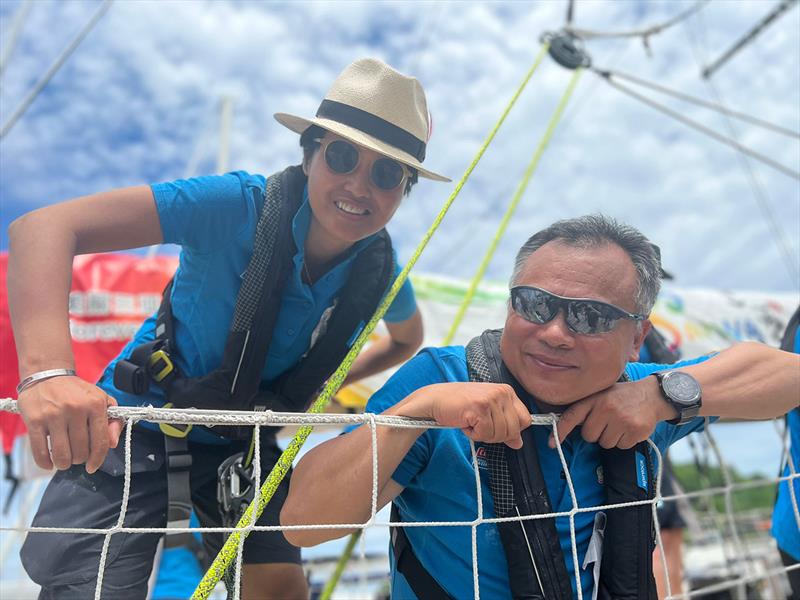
pixel 72 413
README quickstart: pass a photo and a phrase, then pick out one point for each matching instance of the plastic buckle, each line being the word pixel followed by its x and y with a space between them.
pixel 178 431
pixel 163 371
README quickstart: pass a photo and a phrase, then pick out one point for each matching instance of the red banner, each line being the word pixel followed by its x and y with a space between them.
pixel 110 297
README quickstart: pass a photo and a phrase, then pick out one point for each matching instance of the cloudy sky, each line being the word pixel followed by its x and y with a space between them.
pixel 138 102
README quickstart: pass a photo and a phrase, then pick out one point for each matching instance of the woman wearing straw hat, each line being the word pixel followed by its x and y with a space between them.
pixel 277 276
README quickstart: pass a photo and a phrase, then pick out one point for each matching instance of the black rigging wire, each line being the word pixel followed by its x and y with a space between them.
pixel 785 5
pixel 759 193
pixel 705 103
pixel 698 126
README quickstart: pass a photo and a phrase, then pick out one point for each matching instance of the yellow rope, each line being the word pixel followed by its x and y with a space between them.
pixel 327 591
pixel 330 586
pixel 523 185
pixel 228 552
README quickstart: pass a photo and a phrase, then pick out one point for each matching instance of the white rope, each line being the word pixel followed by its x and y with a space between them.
pixel 478 519
pixel 193 416
pixel 571 514
pixel 257 419
pixel 126 492
pixel 373 431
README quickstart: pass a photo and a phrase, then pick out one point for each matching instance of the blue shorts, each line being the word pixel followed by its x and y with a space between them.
pixel 66 564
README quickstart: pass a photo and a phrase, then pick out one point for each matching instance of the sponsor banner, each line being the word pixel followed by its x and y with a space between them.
pixel 111 295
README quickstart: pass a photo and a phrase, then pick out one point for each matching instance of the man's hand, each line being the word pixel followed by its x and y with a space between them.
pixel 72 413
pixel 485 412
pixel 620 416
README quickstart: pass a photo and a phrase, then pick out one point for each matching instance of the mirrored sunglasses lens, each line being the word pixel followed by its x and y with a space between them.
pixel 588 317
pixel 534 305
pixel 341 156
pixel 387 173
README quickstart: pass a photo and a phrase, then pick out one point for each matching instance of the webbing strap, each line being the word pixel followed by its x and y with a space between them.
pixel 421 582
pixel 179 503
pixel 229 550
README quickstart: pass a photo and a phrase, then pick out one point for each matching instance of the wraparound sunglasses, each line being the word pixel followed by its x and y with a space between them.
pixel 582 315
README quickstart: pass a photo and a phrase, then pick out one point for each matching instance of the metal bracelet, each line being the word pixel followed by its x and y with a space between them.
pixel 41 376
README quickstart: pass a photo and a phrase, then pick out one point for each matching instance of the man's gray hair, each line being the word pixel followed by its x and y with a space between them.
pixel 591 231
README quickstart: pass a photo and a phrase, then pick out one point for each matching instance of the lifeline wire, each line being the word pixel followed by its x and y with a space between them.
pixel 759 193
pixel 40 85
pixel 512 207
pixel 695 125
pixel 284 463
pixel 719 107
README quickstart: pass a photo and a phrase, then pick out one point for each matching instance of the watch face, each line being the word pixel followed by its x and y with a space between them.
pixel 681 387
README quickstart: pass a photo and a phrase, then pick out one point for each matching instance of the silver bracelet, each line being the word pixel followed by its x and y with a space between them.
pixel 41 376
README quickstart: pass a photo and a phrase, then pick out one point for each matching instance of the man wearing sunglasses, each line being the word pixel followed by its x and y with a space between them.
pixel 581 293
pixel 277 277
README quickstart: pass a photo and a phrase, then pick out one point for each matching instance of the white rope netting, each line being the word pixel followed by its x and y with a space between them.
pixel 745 566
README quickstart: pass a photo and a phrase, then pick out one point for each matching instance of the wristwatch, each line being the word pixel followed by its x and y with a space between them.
pixel 683 392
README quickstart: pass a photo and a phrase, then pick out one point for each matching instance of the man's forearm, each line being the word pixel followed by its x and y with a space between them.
pixel 749 381
pixel 333 482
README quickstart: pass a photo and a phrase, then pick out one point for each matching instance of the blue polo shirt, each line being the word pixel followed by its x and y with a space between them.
pixel 214 221
pixel 439 486
pixel 785 528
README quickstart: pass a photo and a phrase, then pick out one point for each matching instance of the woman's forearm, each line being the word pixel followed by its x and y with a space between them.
pixel 39 279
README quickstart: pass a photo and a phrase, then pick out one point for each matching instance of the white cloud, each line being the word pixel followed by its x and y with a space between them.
pixel 134 100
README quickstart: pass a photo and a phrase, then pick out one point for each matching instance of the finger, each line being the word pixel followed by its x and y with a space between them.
pixel 115 426
pixel 78 435
pixel 626 442
pixel 512 438
pixel 609 438
pixel 99 440
pixel 39 448
pixel 60 446
pixel 482 424
pixel 593 426
pixel 570 419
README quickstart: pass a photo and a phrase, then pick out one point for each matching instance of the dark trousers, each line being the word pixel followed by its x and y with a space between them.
pixel 66 564
pixel 794 575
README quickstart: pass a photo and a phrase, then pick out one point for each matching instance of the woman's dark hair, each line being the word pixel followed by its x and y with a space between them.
pixel 309 141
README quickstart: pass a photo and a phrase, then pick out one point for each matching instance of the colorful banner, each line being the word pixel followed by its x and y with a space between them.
pixel 113 293
pixel 110 297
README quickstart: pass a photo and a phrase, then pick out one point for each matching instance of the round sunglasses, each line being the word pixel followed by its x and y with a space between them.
pixel 582 315
pixel 342 158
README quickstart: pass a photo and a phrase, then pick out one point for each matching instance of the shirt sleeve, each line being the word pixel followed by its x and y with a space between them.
pixel 420 371
pixel 404 304
pixel 204 213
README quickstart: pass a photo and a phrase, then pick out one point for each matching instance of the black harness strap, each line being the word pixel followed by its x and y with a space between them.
pixel 236 384
pixel 422 583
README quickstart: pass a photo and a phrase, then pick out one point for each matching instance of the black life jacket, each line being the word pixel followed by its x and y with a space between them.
pixel 536 566
pixel 236 384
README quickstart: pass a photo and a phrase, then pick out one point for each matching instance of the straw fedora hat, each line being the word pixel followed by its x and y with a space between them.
pixel 378 107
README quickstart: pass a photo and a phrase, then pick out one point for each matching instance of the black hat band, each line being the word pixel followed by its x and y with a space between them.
pixel 374 126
